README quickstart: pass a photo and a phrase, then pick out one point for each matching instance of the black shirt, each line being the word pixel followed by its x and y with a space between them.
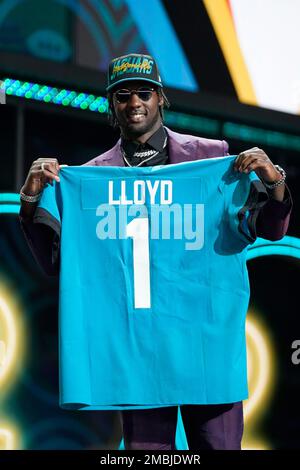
pixel 156 148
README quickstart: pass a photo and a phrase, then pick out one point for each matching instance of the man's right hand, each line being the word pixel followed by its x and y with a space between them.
pixel 42 172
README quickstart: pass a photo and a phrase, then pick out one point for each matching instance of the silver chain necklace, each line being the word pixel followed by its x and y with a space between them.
pixel 152 154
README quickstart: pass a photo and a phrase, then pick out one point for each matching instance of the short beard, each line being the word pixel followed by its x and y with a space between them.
pixel 126 130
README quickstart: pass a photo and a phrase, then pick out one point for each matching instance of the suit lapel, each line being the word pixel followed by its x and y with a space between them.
pixel 178 151
pixel 114 156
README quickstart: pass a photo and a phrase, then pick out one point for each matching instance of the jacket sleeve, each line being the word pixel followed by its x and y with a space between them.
pixel 44 243
pixel 43 238
pixel 271 220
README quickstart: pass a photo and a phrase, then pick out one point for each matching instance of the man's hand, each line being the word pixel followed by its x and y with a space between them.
pixel 42 171
pixel 256 159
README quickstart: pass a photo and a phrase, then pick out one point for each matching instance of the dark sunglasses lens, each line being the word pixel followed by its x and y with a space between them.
pixel 123 96
pixel 144 95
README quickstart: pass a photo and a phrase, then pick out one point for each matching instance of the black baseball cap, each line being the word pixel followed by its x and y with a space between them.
pixel 133 67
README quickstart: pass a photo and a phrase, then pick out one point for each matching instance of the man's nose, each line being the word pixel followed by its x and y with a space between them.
pixel 134 100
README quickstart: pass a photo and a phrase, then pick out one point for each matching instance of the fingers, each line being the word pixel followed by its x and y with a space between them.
pixel 255 151
pixel 250 159
pixel 247 164
pixel 50 170
pixel 45 170
pixel 48 175
pixel 51 164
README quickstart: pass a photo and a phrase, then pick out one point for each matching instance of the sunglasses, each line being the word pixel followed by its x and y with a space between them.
pixel 144 94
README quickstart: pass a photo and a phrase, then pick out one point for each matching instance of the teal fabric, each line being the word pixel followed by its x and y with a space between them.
pixel 188 346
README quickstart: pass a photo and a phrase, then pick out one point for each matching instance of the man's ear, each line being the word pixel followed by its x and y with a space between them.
pixel 160 99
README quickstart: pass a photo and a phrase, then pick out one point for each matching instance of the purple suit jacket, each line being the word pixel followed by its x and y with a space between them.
pixel 272 221
pixel 182 148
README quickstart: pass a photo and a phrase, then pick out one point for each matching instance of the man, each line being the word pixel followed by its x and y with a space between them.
pixel 136 102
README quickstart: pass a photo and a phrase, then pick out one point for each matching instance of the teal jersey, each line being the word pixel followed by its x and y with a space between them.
pixel 154 289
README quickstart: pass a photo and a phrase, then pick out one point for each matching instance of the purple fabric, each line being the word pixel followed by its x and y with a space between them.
pixel 150 428
pixel 182 148
pixel 274 218
pixel 215 427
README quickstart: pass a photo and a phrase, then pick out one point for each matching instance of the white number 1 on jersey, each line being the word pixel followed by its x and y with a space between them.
pixel 138 230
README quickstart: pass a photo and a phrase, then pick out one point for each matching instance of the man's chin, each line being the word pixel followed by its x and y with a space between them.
pixel 137 128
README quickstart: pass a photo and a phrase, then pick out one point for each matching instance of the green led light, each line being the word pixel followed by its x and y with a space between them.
pixel 198 124
pixel 263 136
pixel 62 94
pixel 80 98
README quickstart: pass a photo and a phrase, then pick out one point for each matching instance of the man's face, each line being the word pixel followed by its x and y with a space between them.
pixel 137 117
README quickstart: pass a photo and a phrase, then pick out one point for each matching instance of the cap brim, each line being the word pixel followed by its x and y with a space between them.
pixel 136 79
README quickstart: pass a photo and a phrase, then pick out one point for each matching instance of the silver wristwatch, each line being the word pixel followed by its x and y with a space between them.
pixel 279 182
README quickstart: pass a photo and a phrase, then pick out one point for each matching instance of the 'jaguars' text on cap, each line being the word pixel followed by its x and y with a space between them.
pixel 133 67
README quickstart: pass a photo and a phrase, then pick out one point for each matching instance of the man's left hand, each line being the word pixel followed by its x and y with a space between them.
pixel 256 159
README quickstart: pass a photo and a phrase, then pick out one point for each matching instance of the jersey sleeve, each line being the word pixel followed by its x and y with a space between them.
pixel 48 211
pixel 245 199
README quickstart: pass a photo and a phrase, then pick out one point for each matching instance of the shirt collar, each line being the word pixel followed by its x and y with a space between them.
pixel 156 141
